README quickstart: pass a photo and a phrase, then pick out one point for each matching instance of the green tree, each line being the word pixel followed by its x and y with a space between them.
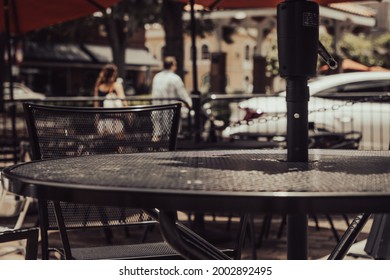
pixel 381 50
pixel 359 48
pixel 171 16
pixel 123 20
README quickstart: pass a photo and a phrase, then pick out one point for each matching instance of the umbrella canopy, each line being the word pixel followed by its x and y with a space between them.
pixel 28 15
pixel 243 4
pixel 21 16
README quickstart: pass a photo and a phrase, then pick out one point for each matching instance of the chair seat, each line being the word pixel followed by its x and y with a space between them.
pixel 157 250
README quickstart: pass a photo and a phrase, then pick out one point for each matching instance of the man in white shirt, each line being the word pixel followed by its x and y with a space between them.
pixel 167 84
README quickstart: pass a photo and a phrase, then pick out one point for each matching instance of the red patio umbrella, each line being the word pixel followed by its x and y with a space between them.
pixel 28 15
pixel 244 4
pixel 20 16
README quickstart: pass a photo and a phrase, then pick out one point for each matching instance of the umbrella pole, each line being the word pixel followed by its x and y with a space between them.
pixel 297 119
pixel 197 102
pixel 297 27
pixel 11 81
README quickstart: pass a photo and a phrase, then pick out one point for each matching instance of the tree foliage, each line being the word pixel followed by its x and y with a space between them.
pixel 124 20
pixel 381 50
pixel 358 48
pixel 368 50
pixel 121 22
pixel 172 21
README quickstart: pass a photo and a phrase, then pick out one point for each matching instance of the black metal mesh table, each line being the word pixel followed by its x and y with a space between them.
pixel 243 181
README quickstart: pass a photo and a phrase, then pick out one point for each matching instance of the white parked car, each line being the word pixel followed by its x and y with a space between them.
pixel 266 116
pixel 22 92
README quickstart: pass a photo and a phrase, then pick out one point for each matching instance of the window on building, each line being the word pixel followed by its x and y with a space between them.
pixel 205 52
pixel 247 51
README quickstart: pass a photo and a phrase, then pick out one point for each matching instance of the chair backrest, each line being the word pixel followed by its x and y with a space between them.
pixel 75 131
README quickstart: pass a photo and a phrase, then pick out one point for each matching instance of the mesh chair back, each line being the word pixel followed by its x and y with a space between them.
pixel 71 131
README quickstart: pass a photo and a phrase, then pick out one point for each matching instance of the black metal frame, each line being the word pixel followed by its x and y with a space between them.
pixel 36 155
pixel 30 234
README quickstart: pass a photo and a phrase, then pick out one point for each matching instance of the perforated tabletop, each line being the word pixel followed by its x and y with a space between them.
pixel 244 180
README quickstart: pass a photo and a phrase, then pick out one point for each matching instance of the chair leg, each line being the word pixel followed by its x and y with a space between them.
pixel 229 222
pixel 107 230
pixel 241 236
pixel 148 228
pixel 44 225
pixel 268 227
pixel 252 235
pixel 316 222
pixel 30 234
pixel 345 217
pixel 186 242
pixel 281 227
pixel 32 244
pixel 264 228
pixel 333 229
pixel 62 230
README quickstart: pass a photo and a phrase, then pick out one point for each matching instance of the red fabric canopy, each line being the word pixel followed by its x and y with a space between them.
pixel 242 4
pixel 34 14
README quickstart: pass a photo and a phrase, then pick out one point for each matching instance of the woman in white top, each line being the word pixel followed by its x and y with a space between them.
pixel 107 83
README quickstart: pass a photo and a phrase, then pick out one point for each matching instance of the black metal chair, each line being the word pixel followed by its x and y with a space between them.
pixel 30 234
pixel 71 131
pixel 17 233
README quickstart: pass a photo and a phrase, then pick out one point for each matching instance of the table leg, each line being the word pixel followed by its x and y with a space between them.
pixel 349 237
pixel 297 237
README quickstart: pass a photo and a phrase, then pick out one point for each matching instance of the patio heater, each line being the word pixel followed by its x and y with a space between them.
pixel 298 47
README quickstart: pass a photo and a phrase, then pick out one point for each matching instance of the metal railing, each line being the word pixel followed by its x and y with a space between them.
pixel 364 114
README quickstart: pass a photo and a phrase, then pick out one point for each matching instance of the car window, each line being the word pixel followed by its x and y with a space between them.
pixel 379 86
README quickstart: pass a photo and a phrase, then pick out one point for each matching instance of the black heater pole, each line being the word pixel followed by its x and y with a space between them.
pixel 195 91
pixel 199 217
pixel 297 26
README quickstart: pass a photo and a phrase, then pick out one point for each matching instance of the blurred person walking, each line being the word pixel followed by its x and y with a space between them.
pixel 167 84
pixel 108 85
